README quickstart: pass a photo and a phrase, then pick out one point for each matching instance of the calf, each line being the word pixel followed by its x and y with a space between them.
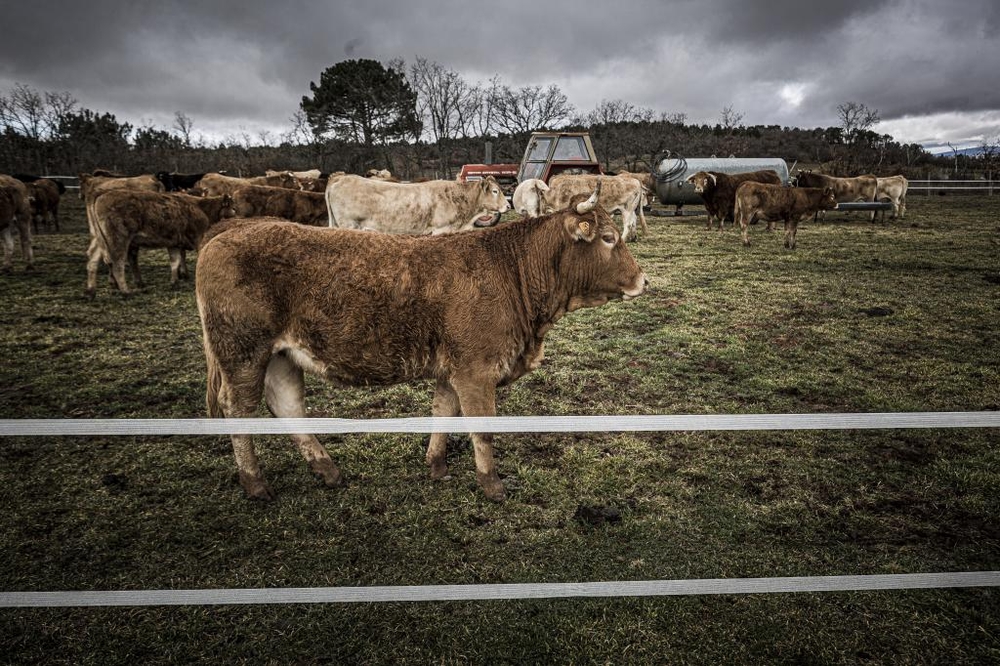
pixel 718 190
pixel 125 219
pixel 43 195
pixel 297 206
pixel 469 311
pixel 15 211
pixel 776 202
pixel 857 188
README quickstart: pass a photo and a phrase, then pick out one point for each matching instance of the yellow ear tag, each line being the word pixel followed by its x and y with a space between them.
pixel 585 228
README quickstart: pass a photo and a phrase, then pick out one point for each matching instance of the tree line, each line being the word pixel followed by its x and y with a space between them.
pixel 425 120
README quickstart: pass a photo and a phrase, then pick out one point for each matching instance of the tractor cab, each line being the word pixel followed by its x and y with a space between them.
pixel 552 153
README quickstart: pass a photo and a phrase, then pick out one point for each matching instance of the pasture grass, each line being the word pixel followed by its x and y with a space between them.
pixel 903 316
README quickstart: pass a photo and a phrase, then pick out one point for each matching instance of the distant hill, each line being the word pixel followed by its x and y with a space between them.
pixel 936 149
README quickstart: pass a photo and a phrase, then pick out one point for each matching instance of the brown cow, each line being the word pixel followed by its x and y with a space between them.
pixel 297 206
pixel 434 207
pixel 858 188
pixel 617 194
pixel 127 219
pixel 776 202
pixel 43 194
pixel 15 211
pixel 718 190
pixel 216 184
pixel 94 185
pixel 469 311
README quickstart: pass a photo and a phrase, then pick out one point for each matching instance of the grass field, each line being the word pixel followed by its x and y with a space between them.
pixel 903 316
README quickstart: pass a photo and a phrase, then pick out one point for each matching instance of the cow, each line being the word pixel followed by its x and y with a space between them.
pixel 311 173
pixel 469 311
pixel 529 198
pixel 126 219
pixel 297 206
pixel 93 185
pixel 857 188
pixel 30 178
pixel 216 184
pixel 777 202
pixel 433 207
pixel 312 184
pixel 617 194
pixel 381 174
pixel 15 211
pixel 178 182
pixel 893 188
pixel 718 190
pixel 43 195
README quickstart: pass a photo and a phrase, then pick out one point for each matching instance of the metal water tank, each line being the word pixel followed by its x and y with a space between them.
pixel 672 171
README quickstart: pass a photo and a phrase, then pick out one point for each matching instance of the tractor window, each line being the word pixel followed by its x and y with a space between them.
pixel 532 170
pixel 539 149
pixel 571 148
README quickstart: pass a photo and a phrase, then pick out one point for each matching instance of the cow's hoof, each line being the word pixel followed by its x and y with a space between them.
pixel 439 470
pixel 324 470
pixel 89 294
pixel 492 487
pixel 257 489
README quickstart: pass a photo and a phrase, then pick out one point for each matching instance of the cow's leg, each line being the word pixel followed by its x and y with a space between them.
pixel 284 393
pixel 791 227
pixel 118 274
pixel 744 220
pixel 24 229
pixel 133 264
pixel 477 397
pixel 239 395
pixel 183 271
pixel 628 224
pixel 176 261
pixel 8 248
pixel 902 206
pixel 445 404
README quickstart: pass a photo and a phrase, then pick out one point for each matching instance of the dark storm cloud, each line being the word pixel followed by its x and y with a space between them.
pixel 245 64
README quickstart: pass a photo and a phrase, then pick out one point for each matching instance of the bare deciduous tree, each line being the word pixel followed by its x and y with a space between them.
pixel 183 124
pixel 443 101
pixel 530 108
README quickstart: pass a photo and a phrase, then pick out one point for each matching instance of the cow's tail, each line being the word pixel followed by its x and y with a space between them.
pixel 213 380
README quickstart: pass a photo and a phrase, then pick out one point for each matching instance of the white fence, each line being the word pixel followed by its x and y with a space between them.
pixel 972 186
pixel 488 592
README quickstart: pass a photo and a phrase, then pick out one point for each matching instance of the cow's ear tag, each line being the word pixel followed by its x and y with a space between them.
pixel 584 230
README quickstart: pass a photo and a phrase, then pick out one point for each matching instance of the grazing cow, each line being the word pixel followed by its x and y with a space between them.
pixel 718 190
pixel 434 207
pixel 617 194
pixel 529 198
pixel 126 219
pixel 469 311
pixel 297 206
pixel 43 195
pixel 216 184
pixel 178 182
pixel 893 188
pixel 15 211
pixel 777 202
pixel 858 188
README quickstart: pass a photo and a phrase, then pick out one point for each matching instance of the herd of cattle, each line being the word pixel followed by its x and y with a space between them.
pixel 279 296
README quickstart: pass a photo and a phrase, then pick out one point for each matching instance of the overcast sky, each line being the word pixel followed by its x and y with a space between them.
pixel 930 67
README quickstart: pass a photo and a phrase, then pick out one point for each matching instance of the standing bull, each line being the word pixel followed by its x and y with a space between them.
pixel 469 311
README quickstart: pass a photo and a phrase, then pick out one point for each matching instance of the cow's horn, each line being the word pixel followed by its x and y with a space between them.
pixel 586 206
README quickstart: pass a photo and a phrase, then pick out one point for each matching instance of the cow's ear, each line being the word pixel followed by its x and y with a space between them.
pixel 581 228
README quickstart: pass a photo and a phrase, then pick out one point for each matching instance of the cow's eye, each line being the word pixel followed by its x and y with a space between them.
pixel 608 238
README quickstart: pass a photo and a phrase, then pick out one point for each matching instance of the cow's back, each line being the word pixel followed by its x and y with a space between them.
pixel 355 202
